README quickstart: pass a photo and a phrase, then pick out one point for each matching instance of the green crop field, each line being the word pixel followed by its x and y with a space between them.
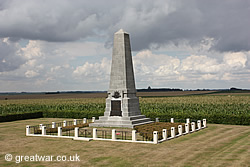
pixel 225 109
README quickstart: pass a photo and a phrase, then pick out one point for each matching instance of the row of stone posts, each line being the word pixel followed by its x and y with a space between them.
pixel 114 134
pixel 75 121
pixel 155 133
pixel 180 132
pixel 43 128
pixel 76 135
pixel 113 138
pixel 188 121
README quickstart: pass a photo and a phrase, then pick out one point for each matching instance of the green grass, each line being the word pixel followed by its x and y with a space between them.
pixel 217 145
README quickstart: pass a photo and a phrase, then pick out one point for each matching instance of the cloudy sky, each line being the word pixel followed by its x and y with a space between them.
pixel 60 45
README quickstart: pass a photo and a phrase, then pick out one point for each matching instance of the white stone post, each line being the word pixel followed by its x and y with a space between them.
pixel 84 120
pixel 76 131
pixel 155 137
pixel 27 130
pixel 164 134
pixel 53 125
pixel 93 119
pixel 43 130
pixel 187 127
pixel 40 126
pixel 193 126
pixel 75 122
pixel 94 133
pixel 187 120
pixel 172 120
pixel 133 135
pixel 113 134
pixel 156 119
pixel 204 123
pixel 59 131
pixel 180 129
pixel 199 124
pixel 64 123
pixel 172 131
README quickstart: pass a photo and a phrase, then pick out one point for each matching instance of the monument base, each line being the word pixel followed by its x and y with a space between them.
pixel 118 121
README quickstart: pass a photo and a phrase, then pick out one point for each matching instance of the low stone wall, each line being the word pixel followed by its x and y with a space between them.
pixel 60 130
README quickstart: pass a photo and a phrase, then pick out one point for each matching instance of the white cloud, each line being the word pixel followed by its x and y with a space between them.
pixel 32 50
pixel 101 69
pixel 181 78
pixel 162 70
pixel 200 63
pixel 58 68
pixel 146 62
pixel 235 60
pixel 227 77
pixel 209 77
pixel 30 74
pixel 170 67
pixel 46 81
pixel 50 66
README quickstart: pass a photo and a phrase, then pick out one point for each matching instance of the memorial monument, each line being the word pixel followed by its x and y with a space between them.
pixel 122 105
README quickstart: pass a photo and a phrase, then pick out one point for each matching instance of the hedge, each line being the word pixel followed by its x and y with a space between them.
pixel 217 118
pixel 20 116
pixel 72 114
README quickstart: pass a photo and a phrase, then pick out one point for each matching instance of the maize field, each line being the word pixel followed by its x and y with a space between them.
pixel 216 109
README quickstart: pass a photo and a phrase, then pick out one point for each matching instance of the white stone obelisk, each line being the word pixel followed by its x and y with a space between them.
pixel 122 105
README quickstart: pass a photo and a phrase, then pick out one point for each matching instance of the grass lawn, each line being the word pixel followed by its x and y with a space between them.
pixel 218 145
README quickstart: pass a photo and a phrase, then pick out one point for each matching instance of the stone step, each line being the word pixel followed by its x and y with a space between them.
pixel 123 118
pixel 124 125
pixel 148 122
pixel 137 117
pixel 115 122
pixel 140 120
pixel 123 122
pixel 107 124
pixel 129 125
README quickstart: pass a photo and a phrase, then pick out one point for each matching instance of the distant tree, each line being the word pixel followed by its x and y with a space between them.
pixel 235 88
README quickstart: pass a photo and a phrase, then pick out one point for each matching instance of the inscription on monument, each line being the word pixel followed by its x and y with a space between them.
pixel 116 108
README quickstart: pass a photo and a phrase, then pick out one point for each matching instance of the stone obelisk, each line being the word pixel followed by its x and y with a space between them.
pixel 122 105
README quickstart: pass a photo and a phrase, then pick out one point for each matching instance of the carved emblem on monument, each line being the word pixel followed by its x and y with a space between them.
pixel 116 94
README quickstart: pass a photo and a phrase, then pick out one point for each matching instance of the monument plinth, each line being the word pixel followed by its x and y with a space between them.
pixel 122 105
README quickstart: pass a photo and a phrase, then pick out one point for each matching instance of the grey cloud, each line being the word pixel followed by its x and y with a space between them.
pixel 9 59
pixel 48 20
pixel 225 21
pixel 149 22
